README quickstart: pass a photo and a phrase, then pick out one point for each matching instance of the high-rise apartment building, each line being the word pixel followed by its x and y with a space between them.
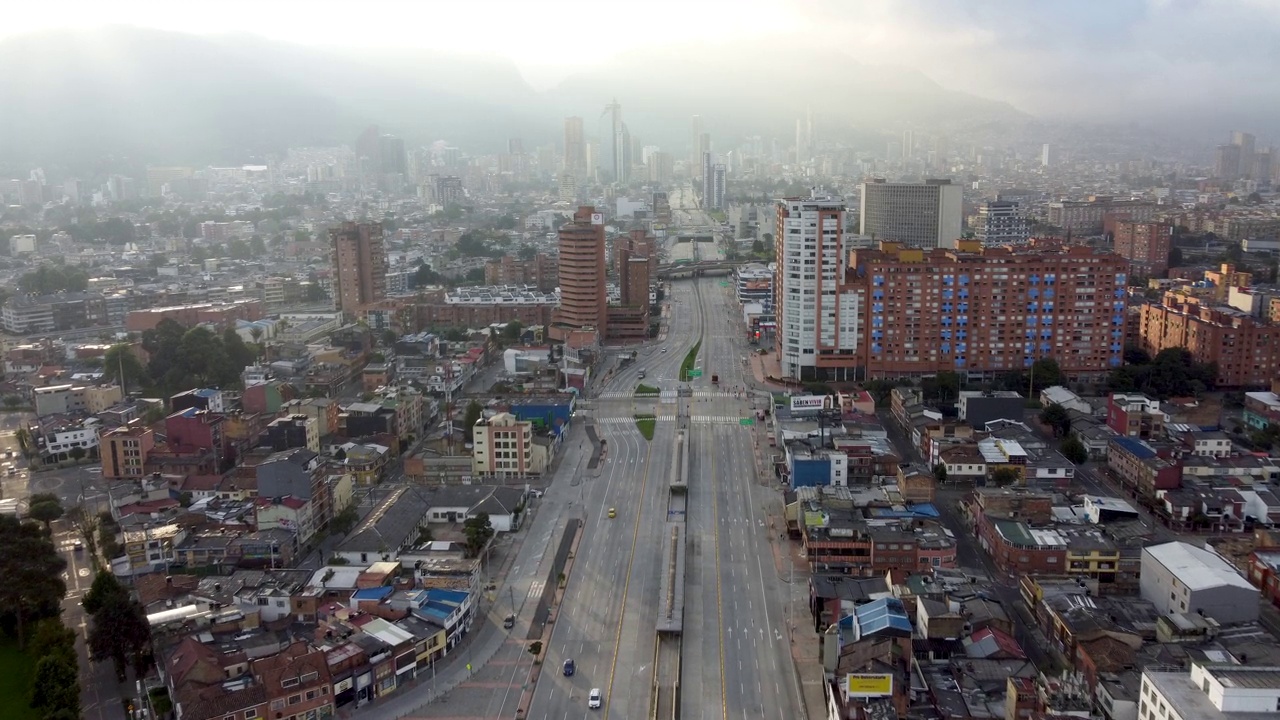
pixel 991 310
pixel 575 147
pixel 708 178
pixel 717 186
pixel 908 144
pixel 819 318
pixel 359 261
pixel 704 148
pixel 1001 222
pixel 1227 162
pixel 583 300
pixel 1246 142
pixel 919 215
pixel 1145 245
pixel 618 140
pixel 661 167
pixel 1046 155
pixel 695 147
pixel 804 138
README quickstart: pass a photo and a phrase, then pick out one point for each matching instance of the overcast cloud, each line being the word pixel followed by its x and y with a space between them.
pixel 1079 59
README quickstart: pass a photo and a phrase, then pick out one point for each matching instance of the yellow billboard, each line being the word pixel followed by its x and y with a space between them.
pixel 868 685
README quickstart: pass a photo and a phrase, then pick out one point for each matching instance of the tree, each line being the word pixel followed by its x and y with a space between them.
pixel 105 589
pixel 49 279
pixel 121 358
pixel 940 473
pixel 77 453
pixel 757 247
pixel 1046 373
pixel 55 684
pixel 55 687
pixel 1003 476
pixel 478 531
pixel 345 520
pixel 469 418
pixel 1074 450
pixel 86 524
pixel 389 338
pixel 120 633
pixel 45 507
pixel 1057 418
pixel 32 571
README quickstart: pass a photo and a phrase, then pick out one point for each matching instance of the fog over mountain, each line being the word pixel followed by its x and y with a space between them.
pixel 165 96
pixel 1189 67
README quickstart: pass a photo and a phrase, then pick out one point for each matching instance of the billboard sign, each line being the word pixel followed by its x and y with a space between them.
pixel 868 686
pixel 809 403
pixel 597 218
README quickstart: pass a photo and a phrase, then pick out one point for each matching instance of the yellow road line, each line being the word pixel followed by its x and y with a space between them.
pixel 626 586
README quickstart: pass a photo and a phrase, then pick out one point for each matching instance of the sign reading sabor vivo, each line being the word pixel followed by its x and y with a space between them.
pixel 809 402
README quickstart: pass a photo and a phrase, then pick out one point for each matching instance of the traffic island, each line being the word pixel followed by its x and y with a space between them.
pixel 544 640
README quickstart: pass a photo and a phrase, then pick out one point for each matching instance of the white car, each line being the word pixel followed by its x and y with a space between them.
pixel 595 699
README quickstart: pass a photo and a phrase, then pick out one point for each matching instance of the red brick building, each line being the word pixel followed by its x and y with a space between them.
pixel 1134 416
pixel 990 310
pixel 221 315
pixel 1246 350
pixel 1019 548
pixel 1145 245
pixel 583 300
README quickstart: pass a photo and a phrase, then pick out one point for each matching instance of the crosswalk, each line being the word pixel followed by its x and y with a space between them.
pixel 664 395
pixel 715 419
pixel 631 420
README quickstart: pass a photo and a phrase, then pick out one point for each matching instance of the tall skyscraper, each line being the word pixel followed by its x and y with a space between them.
pixel 1227 164
pixel 908 144
pixel 575 146
pixel 717 186
pixel 708 179
pixel 583 301
pixel 819 328
pixel 359 261
pixel 695 147
pixel 1245 141
pixel 804 138
pixel 1046 155
pixel 624 171
pixel 617 137
pixel 920 215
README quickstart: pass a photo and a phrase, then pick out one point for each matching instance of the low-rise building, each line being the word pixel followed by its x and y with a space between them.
pixel 1135 415
pixel 1211 691
pixel 1141 468
pixel 1178 577
pixel 67 398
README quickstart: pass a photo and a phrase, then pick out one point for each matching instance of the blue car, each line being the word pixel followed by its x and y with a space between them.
pixel 568 667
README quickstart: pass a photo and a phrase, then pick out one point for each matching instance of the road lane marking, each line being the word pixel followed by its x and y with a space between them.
pixel 626 586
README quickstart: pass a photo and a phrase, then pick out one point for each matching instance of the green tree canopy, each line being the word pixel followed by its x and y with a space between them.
pixel 32 573
pixel 478 531
pixel 45 507
pixel 1074 450
pixel 473 413
pixel 1004 476
pixel 121 358
pixel 119 632
pixel 48 279
pixel 1057 418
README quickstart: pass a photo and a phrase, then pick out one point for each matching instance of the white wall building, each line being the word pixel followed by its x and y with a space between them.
pixel 22 244
pixel 1001 222
pixel 1178 577
pixel 817 319
pixel 921 215
pixel 1211 691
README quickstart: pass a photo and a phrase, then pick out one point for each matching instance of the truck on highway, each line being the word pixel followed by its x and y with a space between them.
pixel 715 379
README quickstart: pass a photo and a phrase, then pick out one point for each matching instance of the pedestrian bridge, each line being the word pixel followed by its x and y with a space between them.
pixel 702 267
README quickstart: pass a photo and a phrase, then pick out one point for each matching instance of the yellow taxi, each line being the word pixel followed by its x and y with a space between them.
pixel 612 513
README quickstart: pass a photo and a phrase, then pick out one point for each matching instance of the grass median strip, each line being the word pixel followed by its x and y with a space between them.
pixel 643 389
pixel 689 360
pixel 646 424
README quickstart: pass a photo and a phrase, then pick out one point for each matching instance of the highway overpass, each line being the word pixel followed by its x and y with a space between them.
pixel 702 267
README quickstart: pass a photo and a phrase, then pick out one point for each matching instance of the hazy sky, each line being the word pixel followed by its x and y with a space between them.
pixel 1071 58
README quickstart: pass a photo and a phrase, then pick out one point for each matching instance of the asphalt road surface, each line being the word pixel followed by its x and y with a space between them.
pixel 736 661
